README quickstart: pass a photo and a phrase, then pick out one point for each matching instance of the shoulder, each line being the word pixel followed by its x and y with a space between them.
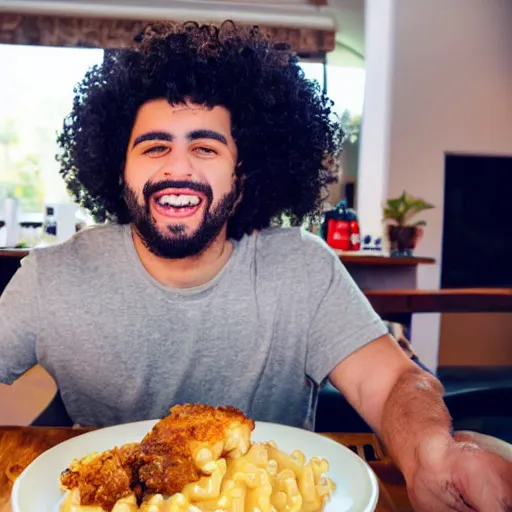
pixel 295 243
pixel 293 247
pixel 92 242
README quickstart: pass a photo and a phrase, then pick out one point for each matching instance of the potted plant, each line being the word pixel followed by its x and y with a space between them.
pixel 402 232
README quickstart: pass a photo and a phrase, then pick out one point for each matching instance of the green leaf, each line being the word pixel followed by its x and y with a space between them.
pixel 403 208
pixel 416 206
pixel 394 204
pixel 420 205
pixel 392 213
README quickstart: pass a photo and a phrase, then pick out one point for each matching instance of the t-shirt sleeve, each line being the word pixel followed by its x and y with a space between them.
pixel 18 322
pixel 342 319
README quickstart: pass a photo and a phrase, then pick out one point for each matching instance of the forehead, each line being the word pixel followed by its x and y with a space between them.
pixel 160 115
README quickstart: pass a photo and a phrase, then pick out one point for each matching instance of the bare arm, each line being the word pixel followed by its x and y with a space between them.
pixel 400 401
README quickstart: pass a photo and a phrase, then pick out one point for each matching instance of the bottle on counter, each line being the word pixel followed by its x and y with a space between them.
pixel 49 228
pixel 11 219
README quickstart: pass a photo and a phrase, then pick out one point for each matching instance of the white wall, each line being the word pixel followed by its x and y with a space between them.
pixel 451 91
pixel 372 179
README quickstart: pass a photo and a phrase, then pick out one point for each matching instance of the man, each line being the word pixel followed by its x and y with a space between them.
pixel 191 146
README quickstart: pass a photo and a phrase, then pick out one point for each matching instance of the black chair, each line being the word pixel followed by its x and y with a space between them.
pixel 486 410
pixel 54 415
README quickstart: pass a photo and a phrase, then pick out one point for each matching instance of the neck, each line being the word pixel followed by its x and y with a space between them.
pixel 186 272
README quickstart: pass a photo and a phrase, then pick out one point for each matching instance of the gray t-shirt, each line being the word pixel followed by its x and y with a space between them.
pixel 262 336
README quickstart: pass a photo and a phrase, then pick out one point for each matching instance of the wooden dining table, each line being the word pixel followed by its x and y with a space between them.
pixel 19 446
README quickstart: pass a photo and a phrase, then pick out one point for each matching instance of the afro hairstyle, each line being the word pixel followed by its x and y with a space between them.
pixel 287 134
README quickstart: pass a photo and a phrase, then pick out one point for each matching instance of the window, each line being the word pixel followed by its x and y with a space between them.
pixel 345 85
pixel 37 93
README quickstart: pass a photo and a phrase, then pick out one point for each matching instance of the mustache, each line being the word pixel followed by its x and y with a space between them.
pixel 152 187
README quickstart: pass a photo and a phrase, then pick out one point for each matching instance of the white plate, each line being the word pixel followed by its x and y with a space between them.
pixel 37 488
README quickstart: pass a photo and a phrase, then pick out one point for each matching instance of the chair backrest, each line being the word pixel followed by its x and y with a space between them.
pixel 55 414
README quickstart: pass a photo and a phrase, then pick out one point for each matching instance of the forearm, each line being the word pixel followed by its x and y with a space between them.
pixel 414 412
pixel 402 402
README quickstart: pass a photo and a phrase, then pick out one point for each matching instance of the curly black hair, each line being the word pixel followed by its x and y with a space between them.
pixel 285 129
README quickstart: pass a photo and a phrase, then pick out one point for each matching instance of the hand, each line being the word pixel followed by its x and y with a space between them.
pixel 461 474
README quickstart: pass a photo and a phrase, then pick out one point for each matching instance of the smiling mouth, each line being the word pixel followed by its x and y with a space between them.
pixel 177 205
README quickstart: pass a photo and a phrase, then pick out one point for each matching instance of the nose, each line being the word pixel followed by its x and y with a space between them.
pixel 178 165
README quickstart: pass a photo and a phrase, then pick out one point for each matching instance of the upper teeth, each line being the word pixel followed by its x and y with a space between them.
pixel 178 200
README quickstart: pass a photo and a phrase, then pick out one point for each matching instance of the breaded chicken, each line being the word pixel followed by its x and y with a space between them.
pixel 104 478
pixel 174 453
pixel 176 450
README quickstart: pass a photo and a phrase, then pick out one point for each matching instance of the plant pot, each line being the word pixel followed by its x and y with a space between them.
pixel 403 239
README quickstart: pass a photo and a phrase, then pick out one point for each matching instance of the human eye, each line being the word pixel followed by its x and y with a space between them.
pixel 205 151
pixel 156 150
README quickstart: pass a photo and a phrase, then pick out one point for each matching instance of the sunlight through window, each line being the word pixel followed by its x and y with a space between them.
pixel 37 94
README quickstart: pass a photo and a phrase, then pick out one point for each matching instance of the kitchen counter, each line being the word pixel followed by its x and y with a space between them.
pixel 14 253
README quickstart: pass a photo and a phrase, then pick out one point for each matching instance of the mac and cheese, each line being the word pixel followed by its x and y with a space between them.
pixel 264 479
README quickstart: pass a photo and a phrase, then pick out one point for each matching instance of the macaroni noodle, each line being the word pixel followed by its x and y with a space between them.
pixel 261 478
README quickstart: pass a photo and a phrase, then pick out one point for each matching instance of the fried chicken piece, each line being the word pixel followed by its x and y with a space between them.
pixel 174 453
pixel 179 447
pixel 105 478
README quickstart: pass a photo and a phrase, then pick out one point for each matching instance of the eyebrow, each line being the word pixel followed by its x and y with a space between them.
pixel 193 135
pixel 153 136
pixel 207 134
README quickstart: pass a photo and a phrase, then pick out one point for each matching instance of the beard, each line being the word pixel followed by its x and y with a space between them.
pixel 175 243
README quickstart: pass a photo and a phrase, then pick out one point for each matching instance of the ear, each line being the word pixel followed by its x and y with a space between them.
pixel 239 187
pixel 239 178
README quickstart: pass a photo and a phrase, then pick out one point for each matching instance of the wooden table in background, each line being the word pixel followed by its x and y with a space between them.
pixel 399 305
pixel 445 300
pixel 21 445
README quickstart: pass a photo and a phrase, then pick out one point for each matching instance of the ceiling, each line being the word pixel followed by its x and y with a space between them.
pixel 297 13
pixel 346 15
